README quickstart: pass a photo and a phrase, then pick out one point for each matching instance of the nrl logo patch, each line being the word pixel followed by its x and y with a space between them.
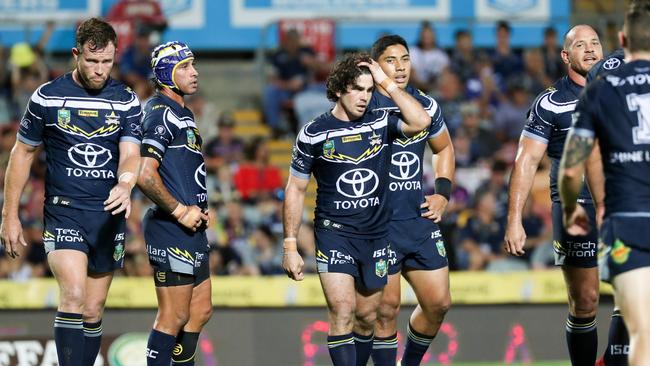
pixel 441 248
pixel 118 254
pixel 328 148
pixel 63 116
pixel 381 268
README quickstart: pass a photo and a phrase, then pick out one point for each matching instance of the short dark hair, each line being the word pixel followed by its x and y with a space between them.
pixel 460 33
pixel 637 32
pixel 344 73
pixel 503 24
pixel 384 42
pixel 97 33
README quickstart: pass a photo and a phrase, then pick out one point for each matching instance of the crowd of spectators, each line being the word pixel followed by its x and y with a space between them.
pixel 484 95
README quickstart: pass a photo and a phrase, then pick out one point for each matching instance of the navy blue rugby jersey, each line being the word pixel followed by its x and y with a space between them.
pixel 606 65
pixel 171 136
pixel 616 110
pixel 549 121
pixel 406 166
pixel 81 130
pixel 350 161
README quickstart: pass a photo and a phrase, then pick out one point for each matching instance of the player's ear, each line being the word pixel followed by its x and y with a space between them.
pixel 565 56
pixel 75 53
pixel 622 39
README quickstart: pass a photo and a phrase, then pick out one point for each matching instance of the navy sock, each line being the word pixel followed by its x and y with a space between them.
pixel 363 347
pixel 582 340
pixel 185 348
pixel 617 342
pixel 416 346
pixel 159 348
pixel 384 351
pixel 342 350
pixel 92 341
pixel 69 338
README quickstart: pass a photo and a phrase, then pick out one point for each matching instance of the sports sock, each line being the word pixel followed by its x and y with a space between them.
pixel 618 342
pixel 363 347
pixel 69 338
pixel 416 346
pixel 582 340
pixel 185 348
pixel 159 348
pixel 342 350
pixel 384 351
pixel 92 341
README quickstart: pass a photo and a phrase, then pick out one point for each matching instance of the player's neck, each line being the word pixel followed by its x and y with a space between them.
pixel 577 78
pixel 635 56
pixel 339 113
pixel 173 96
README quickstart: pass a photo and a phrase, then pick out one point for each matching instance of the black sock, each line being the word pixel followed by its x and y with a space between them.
pixel 384 351
pixel 416 346
pixel 617 342
pixel 582 340
pixel 92 341
pixel 159 348
pixel 185 348
pixel 363 347
pixel 342 350
pixel 69 338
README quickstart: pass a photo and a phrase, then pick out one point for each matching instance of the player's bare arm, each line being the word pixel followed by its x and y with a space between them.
pixel 292 262
pixel 572 168
pixel 444 164
pixel 11 231
pixel 149 181
pixel 529 155
pixel 596 181
pixel 414 116
pixel 119 198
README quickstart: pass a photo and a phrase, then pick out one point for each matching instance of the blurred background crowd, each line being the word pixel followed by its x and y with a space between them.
pixel 484 94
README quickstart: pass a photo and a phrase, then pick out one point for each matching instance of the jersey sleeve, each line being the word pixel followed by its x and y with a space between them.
pixel 539 124
pixel 585 116
pixel 303 155
pixel 132 123
pixel 33 122
pixel 437 121
pixel 158 131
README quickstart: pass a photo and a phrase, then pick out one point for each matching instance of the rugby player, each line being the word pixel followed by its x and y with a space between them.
pixel 89 125
pixel 348 151
pixel 549 121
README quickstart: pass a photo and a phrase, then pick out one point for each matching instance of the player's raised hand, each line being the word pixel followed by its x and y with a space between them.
pixel 119 199
pixel 292 262
pixel 378 74
pixel 435 205
pixel 576 221
pixel 515 238
pixel 11 234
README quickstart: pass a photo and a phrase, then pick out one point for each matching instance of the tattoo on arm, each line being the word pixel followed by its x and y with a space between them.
pixel 577 150
pixel 154 188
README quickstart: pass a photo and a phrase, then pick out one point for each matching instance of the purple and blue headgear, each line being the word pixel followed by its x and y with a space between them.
pixel 165 58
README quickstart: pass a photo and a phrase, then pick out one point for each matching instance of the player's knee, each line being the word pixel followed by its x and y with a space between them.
pixel 586 303
pixel 439 307
pixel 342 313
pixel 205 313
pixel 93 312
pixel 388 310
pixel 72 298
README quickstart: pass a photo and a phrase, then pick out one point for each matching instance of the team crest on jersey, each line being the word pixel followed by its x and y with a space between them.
pixel 63 116
pixel 381 268
pixel 328 148
pixel 620 252
pixel 441 248
pixel 112 118
pixel 374 139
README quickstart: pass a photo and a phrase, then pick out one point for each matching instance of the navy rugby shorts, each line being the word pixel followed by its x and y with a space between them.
pixel 415 244
pixel 575 251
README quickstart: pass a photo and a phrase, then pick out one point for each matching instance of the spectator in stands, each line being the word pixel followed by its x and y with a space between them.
pixel 427 60
pixel 464 56
pixel 256 178
pixel 553 64
pixel 449 95
pixel 6 113
pixel 206 115
pixel 291 68
pixel 135 63
pixel 510 114
pixel 225 149
pixel 267 254
pixel 28 72
pixel 506 61
pixel 481 234
pixel 497 185
pixel 535 78
pixel 539 246
pixel 483 141
pixel 307 247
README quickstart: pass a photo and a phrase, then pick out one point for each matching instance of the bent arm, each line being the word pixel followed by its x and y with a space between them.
pixel 151 184
pixel 572 168
pixel 129 165
pixel 414 116
pixel 443 161
pixel 596 176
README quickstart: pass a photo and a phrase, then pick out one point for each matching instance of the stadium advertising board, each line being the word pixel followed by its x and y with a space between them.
pixel 41 10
